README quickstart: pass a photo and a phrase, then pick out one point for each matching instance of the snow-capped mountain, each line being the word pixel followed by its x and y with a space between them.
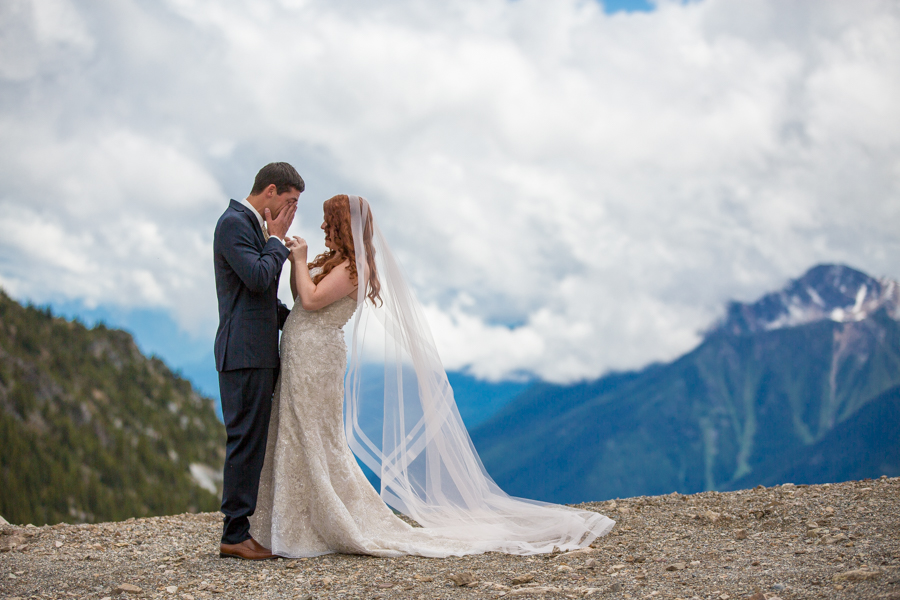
pixel 809 392
pixel 825 292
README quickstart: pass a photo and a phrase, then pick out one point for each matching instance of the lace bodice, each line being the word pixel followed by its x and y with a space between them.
pixel 333 316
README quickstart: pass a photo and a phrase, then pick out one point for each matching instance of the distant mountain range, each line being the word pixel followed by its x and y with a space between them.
pixel 800 386
pixel 91 430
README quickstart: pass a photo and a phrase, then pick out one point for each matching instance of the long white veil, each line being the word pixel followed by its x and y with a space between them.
pixel 428 465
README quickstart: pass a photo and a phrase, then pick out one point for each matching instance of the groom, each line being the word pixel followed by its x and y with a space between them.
pixel 249 252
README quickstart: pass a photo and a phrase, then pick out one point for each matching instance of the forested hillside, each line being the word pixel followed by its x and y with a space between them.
pixel 92 430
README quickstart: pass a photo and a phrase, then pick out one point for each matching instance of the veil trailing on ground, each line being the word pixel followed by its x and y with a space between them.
pixel 428 465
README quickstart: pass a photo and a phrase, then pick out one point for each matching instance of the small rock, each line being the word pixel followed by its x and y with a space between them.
pixel 829 510
pixel 423 578
pixel 712 517
pixel 828 540
pixel 616 587
pixel 816 532
pixel 757 596
pixel 740 534
pixel 679 566
pixel 564 568
pixel 172 589
pixel 520 579
pixel 58 544
pixel 462 579
pixel 695 563
pixel 385 585
pixel 590 563
pixel 780 587
pixel 187 597
pixel 856 575
pixel 127 588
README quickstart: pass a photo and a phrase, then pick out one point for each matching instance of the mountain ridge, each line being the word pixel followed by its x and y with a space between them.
pixel 93 430
pixel 825 292
pixel 702 421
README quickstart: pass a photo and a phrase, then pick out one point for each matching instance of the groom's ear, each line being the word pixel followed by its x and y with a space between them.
pixel 271 191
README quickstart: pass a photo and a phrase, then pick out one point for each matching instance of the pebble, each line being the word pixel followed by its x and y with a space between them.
pixel 679 566
pixel 520 579
pixel 856 575
pixel 128 589
pixel 462 579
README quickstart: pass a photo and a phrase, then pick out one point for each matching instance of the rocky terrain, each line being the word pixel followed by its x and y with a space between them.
pixel 790 541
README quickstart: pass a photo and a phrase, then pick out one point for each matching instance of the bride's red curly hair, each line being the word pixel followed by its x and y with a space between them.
pixel 337 219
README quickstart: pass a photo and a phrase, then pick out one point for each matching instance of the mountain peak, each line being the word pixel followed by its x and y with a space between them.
pixel 826 292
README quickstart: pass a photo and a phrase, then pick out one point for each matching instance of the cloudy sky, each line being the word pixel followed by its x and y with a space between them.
pixel 572 188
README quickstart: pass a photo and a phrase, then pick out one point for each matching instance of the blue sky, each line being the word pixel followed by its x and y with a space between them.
pixel 571 188
pixel 614 6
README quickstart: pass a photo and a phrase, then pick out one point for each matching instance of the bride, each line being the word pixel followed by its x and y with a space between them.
pixel 314 498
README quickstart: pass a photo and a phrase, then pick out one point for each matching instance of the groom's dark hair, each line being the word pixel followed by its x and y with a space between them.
pixel 283 175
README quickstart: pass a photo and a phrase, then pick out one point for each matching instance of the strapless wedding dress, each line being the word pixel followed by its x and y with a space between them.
pixel 313 497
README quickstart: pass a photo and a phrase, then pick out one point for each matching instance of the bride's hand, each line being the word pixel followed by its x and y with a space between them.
pixel 298 247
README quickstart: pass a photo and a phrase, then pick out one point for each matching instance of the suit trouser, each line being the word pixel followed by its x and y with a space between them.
pixel 246 407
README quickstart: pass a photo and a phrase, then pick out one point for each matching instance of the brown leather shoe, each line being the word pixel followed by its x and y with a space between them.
pixel 249 549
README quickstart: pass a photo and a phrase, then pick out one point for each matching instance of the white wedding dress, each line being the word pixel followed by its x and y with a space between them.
pixel 313 497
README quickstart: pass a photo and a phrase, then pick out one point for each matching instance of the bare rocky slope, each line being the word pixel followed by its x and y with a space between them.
pixel 791 541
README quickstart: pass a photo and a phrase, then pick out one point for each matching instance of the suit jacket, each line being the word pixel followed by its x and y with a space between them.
pixel 248 269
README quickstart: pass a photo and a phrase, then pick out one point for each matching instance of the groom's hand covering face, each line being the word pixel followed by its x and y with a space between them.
pixel 280 210
pixel 280 201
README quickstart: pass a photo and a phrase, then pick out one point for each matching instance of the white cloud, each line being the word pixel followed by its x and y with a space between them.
pixel 569 191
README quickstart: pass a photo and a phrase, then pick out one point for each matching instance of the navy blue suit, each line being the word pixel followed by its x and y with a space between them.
pixel 248 269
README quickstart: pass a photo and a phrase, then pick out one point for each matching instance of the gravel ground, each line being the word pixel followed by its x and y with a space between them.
pixel 823 541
